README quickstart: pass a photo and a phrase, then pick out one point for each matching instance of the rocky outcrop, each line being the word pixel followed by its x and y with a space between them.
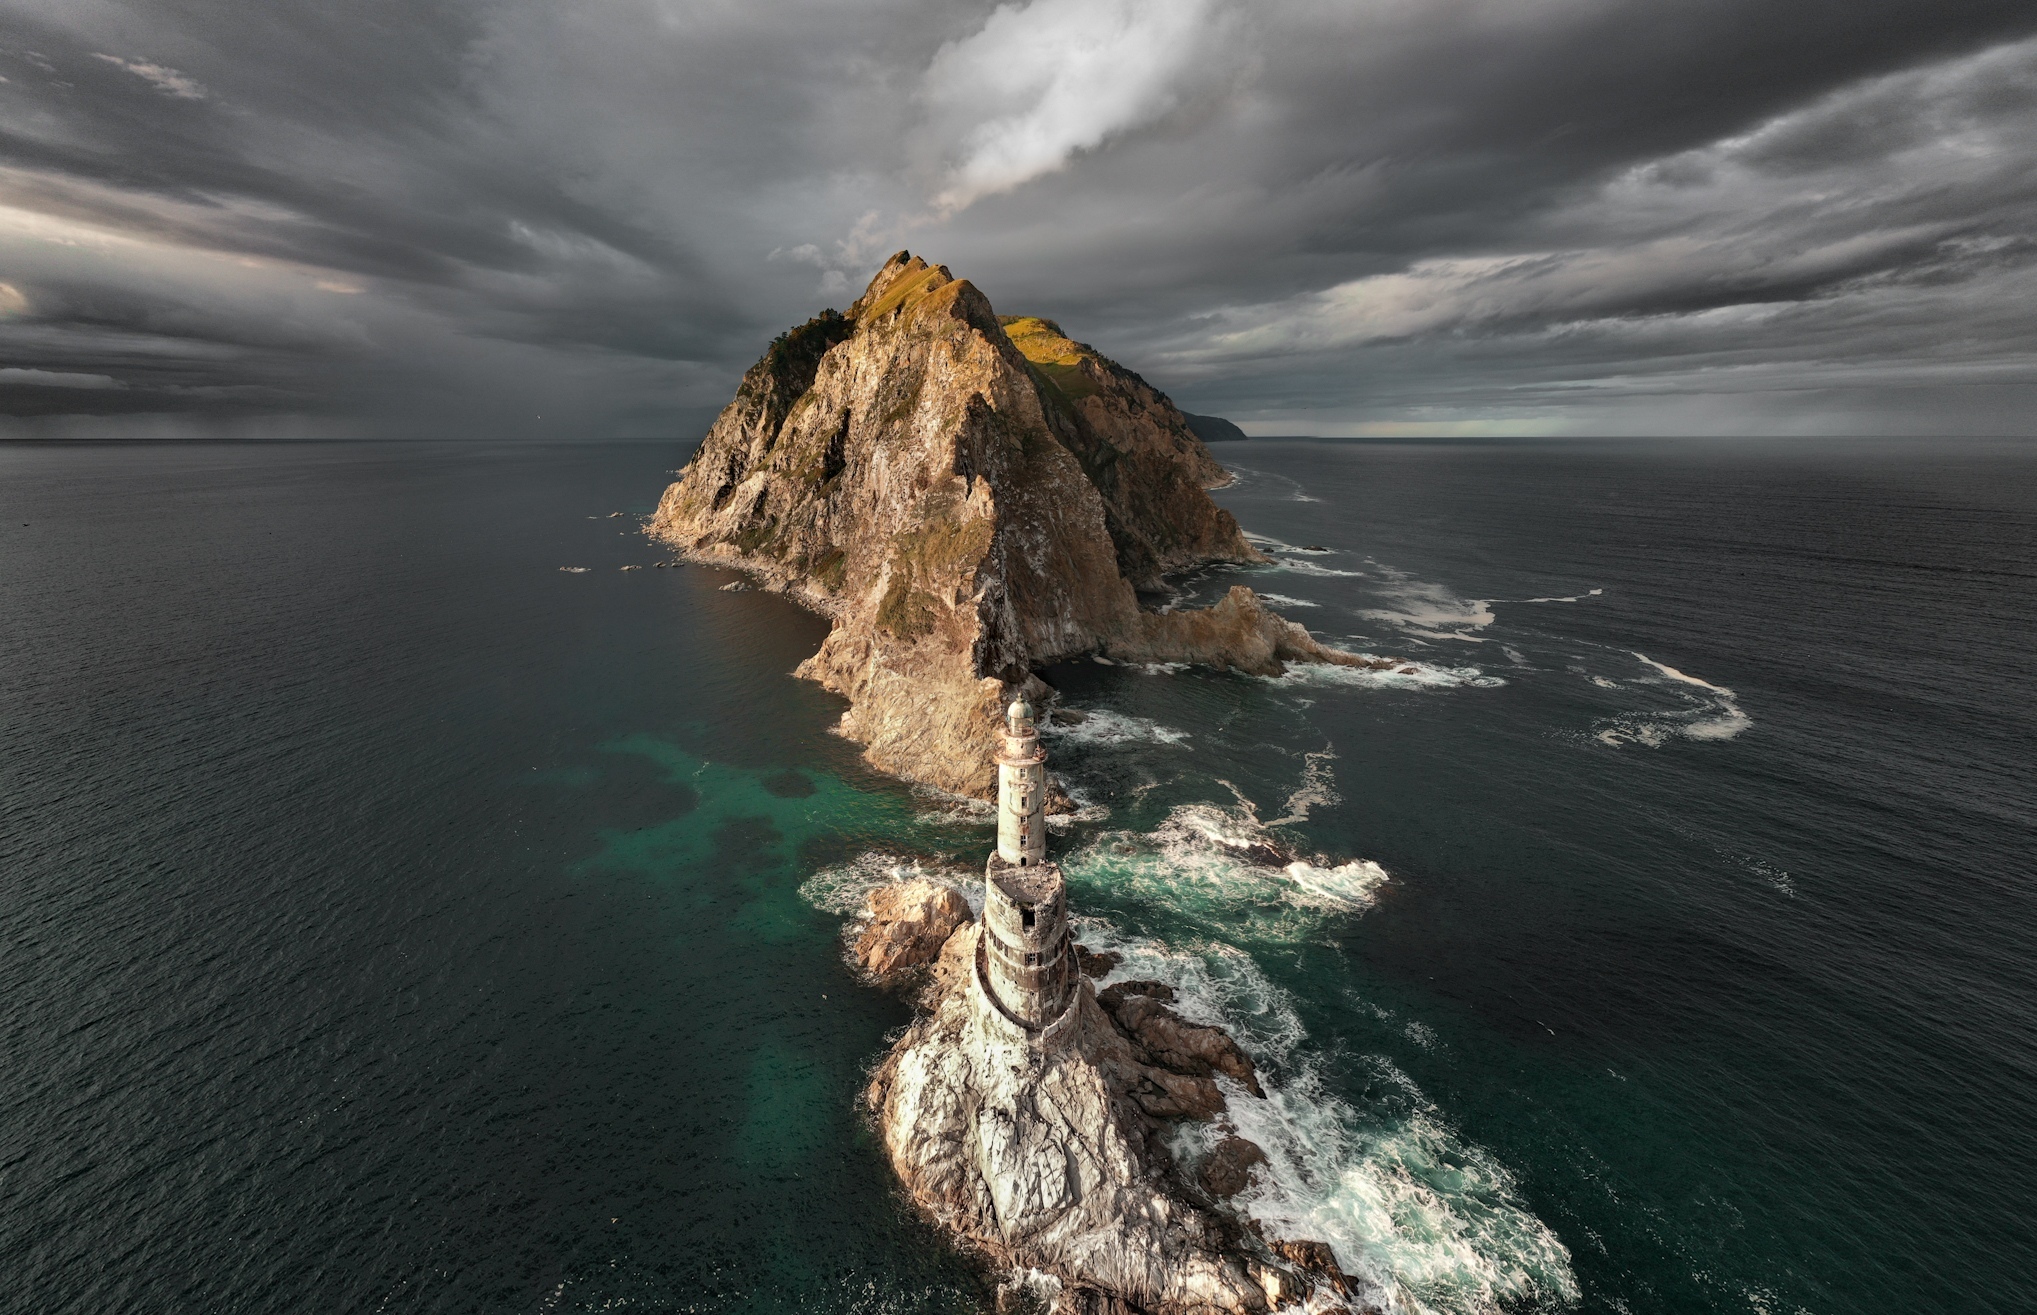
pixel 968 498
pixel 1049 1154
pixel 909 922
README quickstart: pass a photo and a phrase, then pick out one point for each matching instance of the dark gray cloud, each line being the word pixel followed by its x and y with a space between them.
pixel 507 216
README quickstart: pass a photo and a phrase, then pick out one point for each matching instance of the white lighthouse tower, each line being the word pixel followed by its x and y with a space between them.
pixel 1025 965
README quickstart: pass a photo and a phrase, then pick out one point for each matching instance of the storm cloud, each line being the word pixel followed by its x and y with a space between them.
pixel 1411 216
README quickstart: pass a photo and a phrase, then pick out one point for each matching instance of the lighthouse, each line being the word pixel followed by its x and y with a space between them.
pixel 1025 965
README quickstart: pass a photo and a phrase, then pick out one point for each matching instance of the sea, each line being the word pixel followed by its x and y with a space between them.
pixel 407 907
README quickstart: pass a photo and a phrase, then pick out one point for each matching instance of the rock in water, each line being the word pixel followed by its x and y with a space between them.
pixel 1037 1152
pixel 909 923
pixel 968 498
pixel 1229 1169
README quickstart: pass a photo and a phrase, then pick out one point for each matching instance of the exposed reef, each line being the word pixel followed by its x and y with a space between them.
pixel 968 498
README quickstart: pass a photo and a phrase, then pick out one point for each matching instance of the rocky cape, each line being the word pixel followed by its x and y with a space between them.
pixel 969 498
pixel 1053 1162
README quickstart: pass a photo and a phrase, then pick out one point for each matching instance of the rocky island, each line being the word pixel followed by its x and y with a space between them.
pixel 1028 1113
pixel 969 498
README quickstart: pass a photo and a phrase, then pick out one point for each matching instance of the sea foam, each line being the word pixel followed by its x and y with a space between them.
pixel 1714 715
pixel 1427 1222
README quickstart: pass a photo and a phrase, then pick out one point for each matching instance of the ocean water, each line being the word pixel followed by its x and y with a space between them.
pixel 393 920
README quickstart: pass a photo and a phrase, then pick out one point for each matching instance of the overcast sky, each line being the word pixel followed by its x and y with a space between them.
pixel 533 217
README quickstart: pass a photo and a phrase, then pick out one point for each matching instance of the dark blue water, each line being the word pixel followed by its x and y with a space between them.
pixel 391 920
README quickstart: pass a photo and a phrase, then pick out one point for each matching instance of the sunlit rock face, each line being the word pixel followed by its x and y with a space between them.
pixel 969 499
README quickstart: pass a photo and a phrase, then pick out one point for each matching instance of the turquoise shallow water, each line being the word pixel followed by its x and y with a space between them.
pixel 395 921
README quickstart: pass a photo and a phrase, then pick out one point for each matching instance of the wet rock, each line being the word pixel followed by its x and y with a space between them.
pixel 909 924
pixel 1228 1170
pixel 735 587
pixel 1095 963
pixel 1166 1040
pixel 1315 1258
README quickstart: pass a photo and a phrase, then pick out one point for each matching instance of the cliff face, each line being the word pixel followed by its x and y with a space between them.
pixel 968 498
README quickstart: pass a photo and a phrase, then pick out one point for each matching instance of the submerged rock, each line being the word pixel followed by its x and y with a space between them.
pixel 968 498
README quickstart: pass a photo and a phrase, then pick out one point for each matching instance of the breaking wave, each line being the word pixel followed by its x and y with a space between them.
pixel 1102 726
pixel 1223 868
pixel 1714 715
pixel 1427 1222
pixel 1402 675
pixel 844 888
pixel 1574 598
pixel 1282 600
pixel 1271 544
pixel 1303 566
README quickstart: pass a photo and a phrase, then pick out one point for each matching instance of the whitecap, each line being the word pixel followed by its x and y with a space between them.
pixel 1716 715
pixel 1222 867
pixel 1271 544
pixel 1343 887
pixel 844 888
pixel 1306 567
pixel 940 808
pixel 575 570
pixel 1427 1222
pixel 1574 598
pixel 1282 600
pixel 1402 675
pixel 1103 726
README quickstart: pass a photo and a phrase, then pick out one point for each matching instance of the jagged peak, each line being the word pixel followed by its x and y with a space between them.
pixel 902 279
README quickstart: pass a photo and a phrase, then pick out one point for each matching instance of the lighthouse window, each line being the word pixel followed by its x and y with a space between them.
pixel 1026 920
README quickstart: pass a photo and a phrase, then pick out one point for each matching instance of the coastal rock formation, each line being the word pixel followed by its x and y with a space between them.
pixel 909 923
pixel 1056 1159
pixel 968 498
pixel 1029 1114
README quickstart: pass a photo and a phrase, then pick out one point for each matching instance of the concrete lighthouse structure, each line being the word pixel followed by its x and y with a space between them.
pixel 1025 965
